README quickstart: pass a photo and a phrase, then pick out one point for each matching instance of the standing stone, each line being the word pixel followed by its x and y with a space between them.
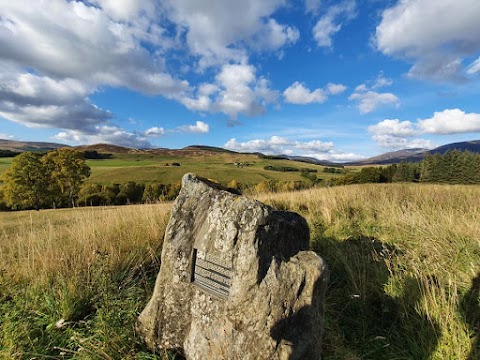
pixel 236 281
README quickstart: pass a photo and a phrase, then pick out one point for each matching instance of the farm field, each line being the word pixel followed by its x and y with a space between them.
pixel 5 164
pixel 220 167
pixel 404 283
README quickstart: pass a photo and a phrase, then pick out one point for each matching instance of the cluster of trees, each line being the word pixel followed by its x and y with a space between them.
pixel 127 193
pixel 453 167
pixel 333 170
pixel 288 169
pixel 8 153
pixel 36 181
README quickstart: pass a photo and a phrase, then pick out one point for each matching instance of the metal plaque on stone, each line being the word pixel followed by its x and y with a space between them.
pixel 211 273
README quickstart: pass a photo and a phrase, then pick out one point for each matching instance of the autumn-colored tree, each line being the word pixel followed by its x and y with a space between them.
pixel 67 170
pixel 26 182
pixel 36 181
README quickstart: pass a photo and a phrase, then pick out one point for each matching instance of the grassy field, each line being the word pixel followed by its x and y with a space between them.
pixel 404 261
pixel 5 164
pixel 220 167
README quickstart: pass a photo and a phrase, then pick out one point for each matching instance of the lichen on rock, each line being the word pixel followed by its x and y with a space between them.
pixel 236 281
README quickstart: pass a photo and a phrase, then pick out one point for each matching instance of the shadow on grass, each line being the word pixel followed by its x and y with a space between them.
pixel 362 321
pixel 470 307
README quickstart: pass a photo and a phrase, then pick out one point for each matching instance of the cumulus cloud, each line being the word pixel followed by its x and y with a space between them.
pixel 154 132
pixel 281 145
pixel 78 41
pixel 83 115
pixel 200 128
pixel 381 81
pixel 368 99
pixel 335 89
pixel 6 136
pixel 52 61
pixel 215 30
pixel 104 134
pixel 331 23
pixel 398 134
pixel 398 142
pixel 450 121
pixel 241 92
pixel 297 93
pixel 274 36
pixel 236 90
pixel 393 127
pixel 436 36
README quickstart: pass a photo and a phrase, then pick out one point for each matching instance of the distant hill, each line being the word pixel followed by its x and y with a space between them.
pixel 473 146
pixel 105 148
pixel 415 155
pixel 407 155
pixel 20 146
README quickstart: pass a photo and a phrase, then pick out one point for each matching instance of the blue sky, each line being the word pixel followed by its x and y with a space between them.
pixel 336 80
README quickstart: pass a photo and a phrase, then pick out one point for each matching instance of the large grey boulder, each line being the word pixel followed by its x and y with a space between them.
pixel 236 281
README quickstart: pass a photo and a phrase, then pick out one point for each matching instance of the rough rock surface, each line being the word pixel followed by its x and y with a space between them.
pixel 269 304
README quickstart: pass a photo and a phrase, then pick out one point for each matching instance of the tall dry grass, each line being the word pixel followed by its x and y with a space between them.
pixel 404 261
pixel 73 281
pixel 38 245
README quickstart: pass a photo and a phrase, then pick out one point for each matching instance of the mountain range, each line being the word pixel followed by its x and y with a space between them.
pixel 407 155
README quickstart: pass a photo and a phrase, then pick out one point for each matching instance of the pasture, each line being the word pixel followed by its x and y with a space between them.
pixel 404 283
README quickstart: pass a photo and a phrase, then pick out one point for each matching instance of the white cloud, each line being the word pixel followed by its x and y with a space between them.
pixel 215 30
pixel 6 136
pixel 398 134
pixel 104 134
pixel 474 68
pixel 312 6
pixel 435 35
pixel 398 142
pixel 154 132
pixel 393 127
pixel 241 92
pixel 450 121
pixel 368 99
pixel 126 9
pixel 338 156
pixel 297 93
pixel 277 145
pixel 274 36
pixel 200 127
pixel 202 101
pixel 281 145
pixel 331 23
pixel 78 41
pixel 83 115
pixel 381 81
pixel 52 61
pixel 371 100
pixel 335 89
pixel 236 90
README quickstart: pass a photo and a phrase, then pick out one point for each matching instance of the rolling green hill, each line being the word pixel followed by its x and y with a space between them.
pixel 223 167
pixel 246 169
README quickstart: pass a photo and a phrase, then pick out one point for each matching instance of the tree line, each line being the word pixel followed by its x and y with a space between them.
pixel 453 167
pixel 57 179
